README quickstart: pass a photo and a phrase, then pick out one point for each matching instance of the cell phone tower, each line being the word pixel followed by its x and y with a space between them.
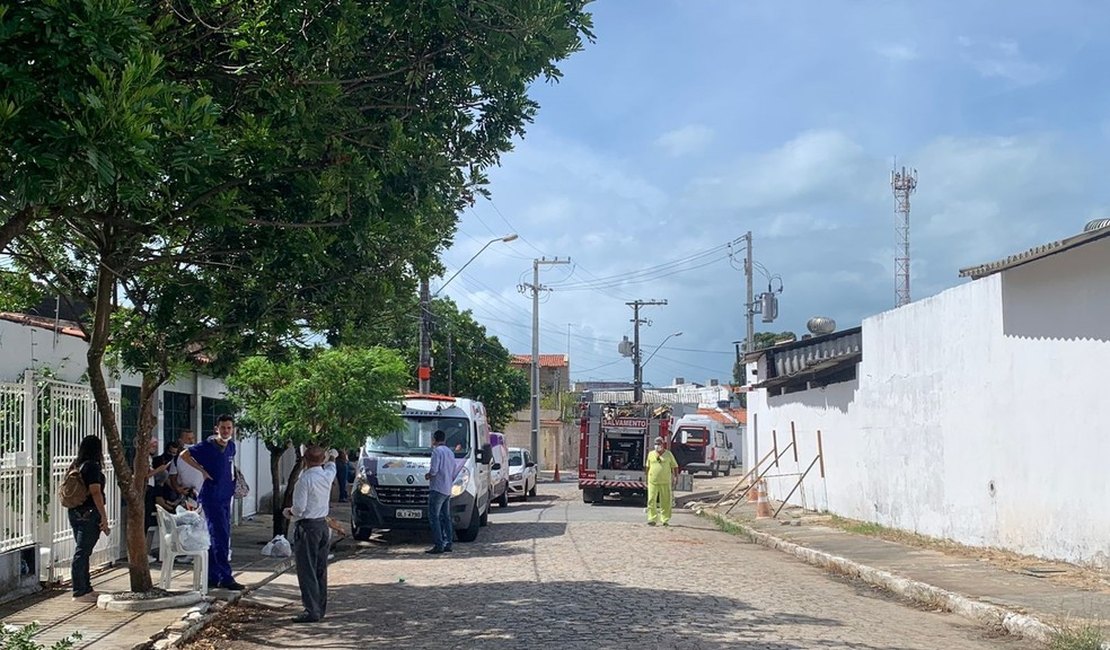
pixel 903 183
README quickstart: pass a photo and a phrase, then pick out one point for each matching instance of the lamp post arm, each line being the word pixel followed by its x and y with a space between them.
pixel 657 348
pixel 456 273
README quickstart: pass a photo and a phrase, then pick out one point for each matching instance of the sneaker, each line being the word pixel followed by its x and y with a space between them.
pixel 305 617
pixel 435 550
pixel 150 559
pixel 89 597
pixel 447 549
pixel 232 586
pixel 650 522
pixel 667 524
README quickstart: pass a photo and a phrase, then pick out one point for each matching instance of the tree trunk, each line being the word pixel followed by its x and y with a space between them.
pixel 15 225
pixel 139 571
pixel 276 508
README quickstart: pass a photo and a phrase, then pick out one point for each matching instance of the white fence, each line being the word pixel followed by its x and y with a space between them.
pixel 42 422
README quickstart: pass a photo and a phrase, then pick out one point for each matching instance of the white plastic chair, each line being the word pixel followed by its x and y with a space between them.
pixel 170 548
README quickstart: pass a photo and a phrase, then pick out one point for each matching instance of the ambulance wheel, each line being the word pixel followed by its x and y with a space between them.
pixel 470 533
pixel 532 492
pixel 715 472
pixel 728 470
pixel 503 500
pixel 484 520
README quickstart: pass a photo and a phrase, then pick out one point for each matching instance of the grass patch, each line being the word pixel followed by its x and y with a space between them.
pixel 1085 636
pixel 728 526
pixel 864 527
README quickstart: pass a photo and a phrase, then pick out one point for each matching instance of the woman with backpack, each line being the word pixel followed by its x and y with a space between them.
pixel 88 517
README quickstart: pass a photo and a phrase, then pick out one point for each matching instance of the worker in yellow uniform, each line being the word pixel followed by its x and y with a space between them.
pixel 662 469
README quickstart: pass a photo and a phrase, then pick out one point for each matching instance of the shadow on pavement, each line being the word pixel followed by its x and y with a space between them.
pixel 524 614
pixel 492 541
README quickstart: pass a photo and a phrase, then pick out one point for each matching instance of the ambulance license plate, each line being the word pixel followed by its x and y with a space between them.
pixel 409 514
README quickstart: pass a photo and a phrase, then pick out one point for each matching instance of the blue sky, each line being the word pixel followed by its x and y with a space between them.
pixel 690 122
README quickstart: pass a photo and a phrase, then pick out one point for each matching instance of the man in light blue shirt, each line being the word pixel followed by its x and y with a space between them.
pixel 440 476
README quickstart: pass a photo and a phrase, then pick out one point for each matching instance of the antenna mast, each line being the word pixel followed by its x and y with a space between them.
pixel 903 183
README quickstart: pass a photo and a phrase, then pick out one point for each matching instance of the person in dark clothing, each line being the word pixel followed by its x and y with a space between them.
pixel 214 459
pixel 341 467
pixel 89 519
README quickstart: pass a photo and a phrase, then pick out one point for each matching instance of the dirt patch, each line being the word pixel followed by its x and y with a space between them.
pixel 227 627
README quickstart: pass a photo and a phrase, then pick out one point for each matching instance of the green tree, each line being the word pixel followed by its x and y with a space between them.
pixel 468 361
pixel 234 174
pixel 331 397
pixel 762 340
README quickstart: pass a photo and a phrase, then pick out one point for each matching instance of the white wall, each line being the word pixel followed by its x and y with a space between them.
pixel 996 382
pixel 23 347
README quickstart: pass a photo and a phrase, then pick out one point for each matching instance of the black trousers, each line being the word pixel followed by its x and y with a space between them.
pixel 310 547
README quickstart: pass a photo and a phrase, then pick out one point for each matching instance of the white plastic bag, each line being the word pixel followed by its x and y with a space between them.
pixel 277 547
pixel 191 530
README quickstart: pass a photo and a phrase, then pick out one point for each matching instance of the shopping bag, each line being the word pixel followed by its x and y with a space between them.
pixel 277 547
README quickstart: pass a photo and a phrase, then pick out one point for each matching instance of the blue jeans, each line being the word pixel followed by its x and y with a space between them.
pixel 86 532
pixel 439 517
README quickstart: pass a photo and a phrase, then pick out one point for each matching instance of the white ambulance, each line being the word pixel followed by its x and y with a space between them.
pixel 390 490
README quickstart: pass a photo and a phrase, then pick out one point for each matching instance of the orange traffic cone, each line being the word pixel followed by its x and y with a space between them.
pixel 762 505
pixel 556 477
pixel 753 492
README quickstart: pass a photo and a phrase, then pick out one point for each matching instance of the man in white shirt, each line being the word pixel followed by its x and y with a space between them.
pixel 311 536
pixel 183 478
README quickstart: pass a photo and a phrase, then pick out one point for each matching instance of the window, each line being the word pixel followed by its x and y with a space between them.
pixel 212 408
pixel 129 419
pixel 177 414
pixel 694 437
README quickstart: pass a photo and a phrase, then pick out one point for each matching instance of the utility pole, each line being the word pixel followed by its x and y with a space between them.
pixel 535 288
pixel 749 306
pixel 637 357
pixel 424 372
pixel 450 366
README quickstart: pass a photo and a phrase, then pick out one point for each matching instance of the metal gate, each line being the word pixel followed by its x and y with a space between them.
pixel 64 414
pixel 17 465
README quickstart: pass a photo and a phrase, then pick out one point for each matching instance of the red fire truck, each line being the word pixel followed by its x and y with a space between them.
pixel 615 440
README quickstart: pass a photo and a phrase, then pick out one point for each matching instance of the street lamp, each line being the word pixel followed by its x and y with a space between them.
pixel 424 372
pixel 638 377
pixel 507 238
pixel 657 349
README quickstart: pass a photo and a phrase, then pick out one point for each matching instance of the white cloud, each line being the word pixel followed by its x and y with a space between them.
pixel 812 165
pixel 690 139
pixel 898 52
pixel 1003 59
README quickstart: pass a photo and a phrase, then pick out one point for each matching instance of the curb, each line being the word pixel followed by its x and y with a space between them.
pixel 993 616
pixel 197 618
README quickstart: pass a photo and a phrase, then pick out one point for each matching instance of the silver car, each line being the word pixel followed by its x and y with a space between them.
pixel 523 475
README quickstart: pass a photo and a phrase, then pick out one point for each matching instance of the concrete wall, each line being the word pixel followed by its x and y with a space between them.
pixel 23 347
pixel 979 415
pixel 518 433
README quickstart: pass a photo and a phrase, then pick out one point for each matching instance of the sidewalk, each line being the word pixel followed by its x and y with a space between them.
pixel 59 616
pixel 1023 596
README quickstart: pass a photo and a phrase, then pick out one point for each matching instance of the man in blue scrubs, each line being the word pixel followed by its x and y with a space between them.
pixel 215 458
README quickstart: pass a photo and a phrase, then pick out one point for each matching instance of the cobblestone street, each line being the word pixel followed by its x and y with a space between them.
pixel 556 573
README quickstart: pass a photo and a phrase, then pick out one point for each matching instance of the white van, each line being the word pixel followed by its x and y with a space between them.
pixel 700 444
pixel 390 490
